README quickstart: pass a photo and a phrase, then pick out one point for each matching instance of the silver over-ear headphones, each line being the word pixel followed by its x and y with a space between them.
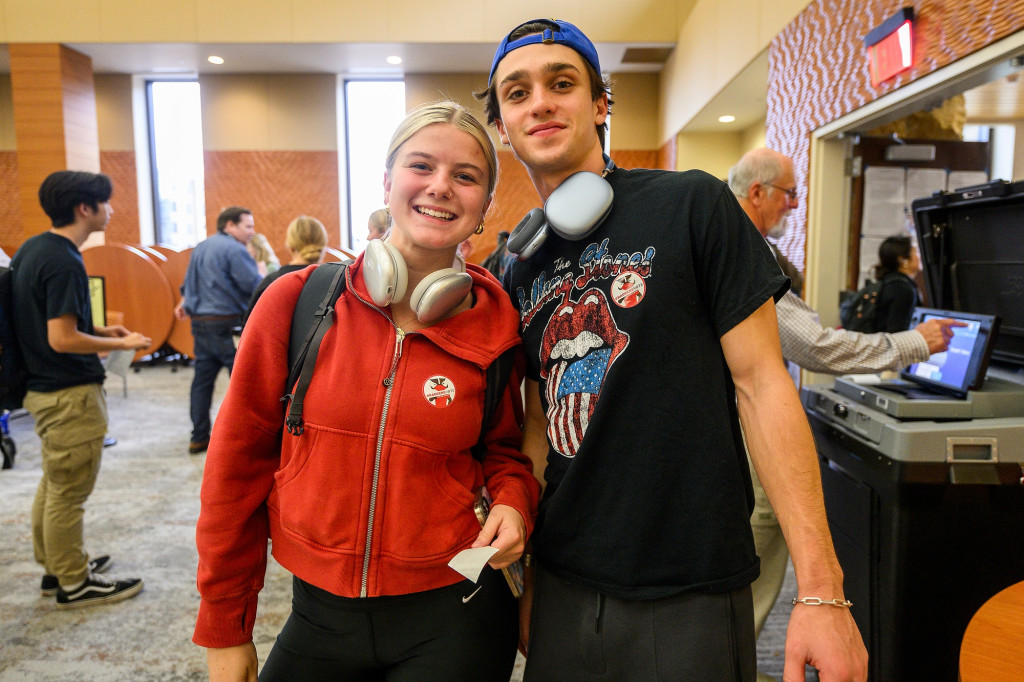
pixel 573 211
pixel 386 278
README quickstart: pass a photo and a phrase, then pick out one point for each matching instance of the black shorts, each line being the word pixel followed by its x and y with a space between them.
pixel 433 635
pixel 579 634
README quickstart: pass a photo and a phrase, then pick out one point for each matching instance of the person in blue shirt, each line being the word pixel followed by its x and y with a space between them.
pixel 221 277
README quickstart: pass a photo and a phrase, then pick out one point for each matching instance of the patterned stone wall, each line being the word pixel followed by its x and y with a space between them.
pixel 276 186
pixel 818 69
pixel 10 210
pixel 124 225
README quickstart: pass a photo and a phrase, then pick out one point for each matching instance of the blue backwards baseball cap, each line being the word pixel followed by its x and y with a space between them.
pixel 567 34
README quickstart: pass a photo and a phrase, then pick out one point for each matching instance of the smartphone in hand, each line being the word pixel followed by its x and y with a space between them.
pixel 513 572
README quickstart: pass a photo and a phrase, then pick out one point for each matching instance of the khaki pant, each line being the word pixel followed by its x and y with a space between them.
pixel 71 424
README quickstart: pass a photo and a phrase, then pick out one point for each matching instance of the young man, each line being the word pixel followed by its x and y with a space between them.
pixel 219 281
pixel 53 323
pixel 649 341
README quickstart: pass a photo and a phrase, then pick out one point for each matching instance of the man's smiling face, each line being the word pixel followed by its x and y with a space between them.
pixel 547 114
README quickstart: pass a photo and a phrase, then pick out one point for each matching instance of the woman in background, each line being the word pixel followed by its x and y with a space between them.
pixel 370 500
pixel 266 260
pixel 898 263
pixel 306 240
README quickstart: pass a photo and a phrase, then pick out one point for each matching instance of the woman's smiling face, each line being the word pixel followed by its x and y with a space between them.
pixel 436 188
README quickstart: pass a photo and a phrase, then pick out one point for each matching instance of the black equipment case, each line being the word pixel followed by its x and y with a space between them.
pixel 972 255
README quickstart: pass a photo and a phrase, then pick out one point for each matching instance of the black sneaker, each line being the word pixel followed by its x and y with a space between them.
pixel 98 590
pixel 49 586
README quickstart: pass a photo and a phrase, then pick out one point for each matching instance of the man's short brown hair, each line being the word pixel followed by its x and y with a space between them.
pixel 231 214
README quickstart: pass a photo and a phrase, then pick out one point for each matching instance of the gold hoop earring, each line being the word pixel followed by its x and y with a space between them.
pixel 387 209
pixel 479 228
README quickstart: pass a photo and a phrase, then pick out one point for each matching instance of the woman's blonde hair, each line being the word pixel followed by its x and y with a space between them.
pixel 307 238
pixel 454 114
pixel 261 250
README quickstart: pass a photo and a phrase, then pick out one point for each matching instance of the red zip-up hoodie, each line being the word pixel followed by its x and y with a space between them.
pixel 376 495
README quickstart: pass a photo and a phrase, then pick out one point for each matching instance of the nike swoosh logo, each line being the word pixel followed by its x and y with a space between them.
pixel 465 600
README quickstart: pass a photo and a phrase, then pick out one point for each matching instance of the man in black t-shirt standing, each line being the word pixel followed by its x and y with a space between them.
pixel 53 323
pixel 650 336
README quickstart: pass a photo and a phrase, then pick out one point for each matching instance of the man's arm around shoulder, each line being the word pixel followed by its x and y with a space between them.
pixel 782 450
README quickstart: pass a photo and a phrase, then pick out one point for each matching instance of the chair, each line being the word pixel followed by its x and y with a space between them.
pixel 119 362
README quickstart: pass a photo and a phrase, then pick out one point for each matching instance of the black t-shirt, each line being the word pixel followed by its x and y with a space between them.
pixel 648 491
pixel 49 281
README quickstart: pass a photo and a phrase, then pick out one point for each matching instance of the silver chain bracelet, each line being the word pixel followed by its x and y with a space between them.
pixel 818 601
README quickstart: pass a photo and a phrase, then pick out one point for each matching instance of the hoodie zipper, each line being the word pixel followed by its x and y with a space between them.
pixel 389 382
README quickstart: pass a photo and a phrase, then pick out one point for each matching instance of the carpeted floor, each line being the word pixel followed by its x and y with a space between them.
pixel 143 513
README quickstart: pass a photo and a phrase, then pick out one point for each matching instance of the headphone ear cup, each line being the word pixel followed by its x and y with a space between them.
pixel 528 235
pixel 384 272
pixel 438 293
pixel 579 205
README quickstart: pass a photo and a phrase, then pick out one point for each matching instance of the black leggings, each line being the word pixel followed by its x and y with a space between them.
pixel 419 637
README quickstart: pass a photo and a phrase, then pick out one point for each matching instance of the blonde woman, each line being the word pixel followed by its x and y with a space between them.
pixel 266 260
pixel 306 240
pixel 367 505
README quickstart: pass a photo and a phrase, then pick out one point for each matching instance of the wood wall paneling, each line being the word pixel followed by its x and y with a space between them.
pixel 54 119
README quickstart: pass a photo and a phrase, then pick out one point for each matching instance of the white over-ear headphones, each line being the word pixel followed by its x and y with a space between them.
pixel 573 211
pixel 386 278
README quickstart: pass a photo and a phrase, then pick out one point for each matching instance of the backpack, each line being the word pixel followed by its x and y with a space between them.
pixel 858 311
pixel 13 376
pixel 313 316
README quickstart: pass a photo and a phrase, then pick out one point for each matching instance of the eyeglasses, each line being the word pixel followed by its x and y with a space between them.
pixel 791 193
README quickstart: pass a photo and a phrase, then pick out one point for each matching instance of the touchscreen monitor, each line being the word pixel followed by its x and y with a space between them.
pixel 98 298
pixel 962 366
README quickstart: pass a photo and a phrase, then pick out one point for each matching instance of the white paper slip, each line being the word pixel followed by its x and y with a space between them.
pixel 469 562
pixel 119 361
pixel 864 379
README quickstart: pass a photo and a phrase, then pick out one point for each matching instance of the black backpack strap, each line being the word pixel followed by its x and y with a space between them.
pixel 315 307
pixel 498 373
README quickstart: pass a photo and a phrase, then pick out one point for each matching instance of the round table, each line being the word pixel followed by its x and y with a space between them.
pixel 993 646
pixel 135 286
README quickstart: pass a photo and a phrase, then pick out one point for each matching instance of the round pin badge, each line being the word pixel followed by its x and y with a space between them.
pixel 628 289
pixel 439 391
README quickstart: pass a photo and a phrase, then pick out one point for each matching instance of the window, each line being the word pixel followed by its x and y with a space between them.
pixel 176 150
pixel 373 109
pixel 1002 140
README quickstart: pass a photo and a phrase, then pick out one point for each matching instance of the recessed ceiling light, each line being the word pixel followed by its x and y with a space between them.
pixel 214 59
pixel 394 59
pixel 726 119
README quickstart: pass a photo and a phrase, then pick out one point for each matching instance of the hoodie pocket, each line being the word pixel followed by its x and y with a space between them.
pixel 319 488
pixel 428 513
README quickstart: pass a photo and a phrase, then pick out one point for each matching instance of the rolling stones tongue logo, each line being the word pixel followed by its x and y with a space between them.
pixel 579 345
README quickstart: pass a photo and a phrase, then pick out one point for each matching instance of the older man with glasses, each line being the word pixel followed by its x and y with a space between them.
pixel 763 182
